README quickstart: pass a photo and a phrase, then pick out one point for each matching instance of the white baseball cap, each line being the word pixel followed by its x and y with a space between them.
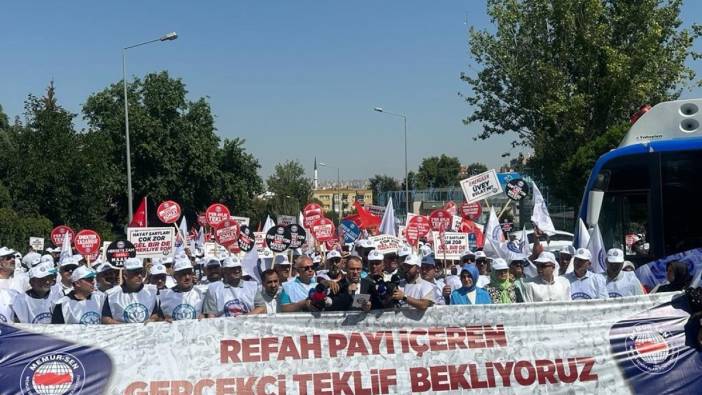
pixel 31 259
pixel 4 251
pixel 583 253
pixel 157 269
pixel 499 264
pixel 546 257
pixel 425 250
pixel 615 255
pixel 41 271
pixel 333 254
pixel 480 254
pixel 231 261
pixel 404 251
pixel 281 260
pixel 182 264
pixel 68 262
pixel 47 258
pixel 82 272
pixel 212 261
pixel 375 256
pixel 133 264
pixel 467 252
pixel 102 268
pixel 413 260
pixel 569 249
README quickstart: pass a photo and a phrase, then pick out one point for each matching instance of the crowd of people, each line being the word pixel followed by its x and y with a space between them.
pixel 49 288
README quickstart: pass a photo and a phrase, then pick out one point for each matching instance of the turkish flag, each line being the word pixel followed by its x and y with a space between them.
pixel 139 218
pixel 368 220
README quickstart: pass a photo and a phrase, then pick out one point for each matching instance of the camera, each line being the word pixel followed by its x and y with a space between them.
pixel 384 289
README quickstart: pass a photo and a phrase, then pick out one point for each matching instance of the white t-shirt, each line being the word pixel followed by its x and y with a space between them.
pixel 625 284
pixel 181 305
pixel 538 290
pixel 6 298
pixel 589 286
pixel 132 306
pixel 87 311
pixel 29 310
pixel 419 289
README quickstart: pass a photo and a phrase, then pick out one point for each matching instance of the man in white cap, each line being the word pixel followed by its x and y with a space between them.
pixel 376 265
pixel 295 293
pixel 184 301
pixel 8 278
pixel 565 260
pixel 467 256
pixel 619 282
pixel 282 267
pixel 82 305
pixel 391 263
pixel 34 306
pixel 585 284
pixel 106 276
pixel 481 262
pixel 413 290
pixel 232 296
pixel 212 268
pixel 333 271
pixel 133 301
pixel 168 262
pixel 66 268
pixel 157 276
pixel 546 286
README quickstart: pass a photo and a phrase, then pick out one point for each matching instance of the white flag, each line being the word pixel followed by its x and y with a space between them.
pixel 387 225
pixel 268 224
pixel 183 230
pixel 493 230
pixel 540 217
pixel 250 265
pixel 66 251
pixel 597 249
pixel 583 234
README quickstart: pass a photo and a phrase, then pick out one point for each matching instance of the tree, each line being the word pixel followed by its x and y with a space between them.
pixel 382 183
pixel 4 122
pixel 564 77
pixel 438 172
pixel 476 168
pixel 412 181
pixel 288 182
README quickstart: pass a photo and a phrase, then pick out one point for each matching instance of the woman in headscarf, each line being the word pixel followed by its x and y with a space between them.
pixel 679 278
pixel 501 289
pixel 469 293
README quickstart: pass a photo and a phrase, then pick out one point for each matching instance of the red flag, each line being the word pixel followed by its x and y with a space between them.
pixel 368 220
pixel 139 218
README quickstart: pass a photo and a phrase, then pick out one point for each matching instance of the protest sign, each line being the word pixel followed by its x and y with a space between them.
pixel 386 244
pixel 152 242
pixel 628 345
pixel 87 242
pixel 401 232
pixel 58 234
pixel 349 231
pixel 260 238
pixel 296 234
pixel 440 220
pixel 471 211
pixel 227 232
pixel 451 207
pixel 378 211
pixel 456 223
pixel 216 213
pixel 409 218
pixel 323 229
pixel 517 189
pixel 37 243
pixel 168 212
pixel 481 186
pixel 241 220
pixel 276 239
pixel 285 220
pixel 119 251
pixel 417 228
pixel 451 245
pixel 506 225
pixel 311 214
pixel 247 239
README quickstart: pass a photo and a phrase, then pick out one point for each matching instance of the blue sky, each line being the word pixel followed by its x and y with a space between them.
pixel 294 78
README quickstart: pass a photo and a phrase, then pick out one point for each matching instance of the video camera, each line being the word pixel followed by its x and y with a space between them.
pixel 384 289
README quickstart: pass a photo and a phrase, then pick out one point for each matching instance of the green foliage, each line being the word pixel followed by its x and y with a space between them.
pixel 382 183
pixel 289 185
pixel 412 181
pixel 476 168
pixel 438 172
pixel 562 74
pixel 15 229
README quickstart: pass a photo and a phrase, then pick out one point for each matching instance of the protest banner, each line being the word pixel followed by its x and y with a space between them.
pixel 260 238
pixel 168 212
pixel 58 234
pixel 481 186
pixel 152 242
pixel 323 229
pixel 628 345
pixel 451 245
pixel 247 239
pixel 471 211
pixel 349 231
pixel 241 220
pixel 227 233
pixel 119 251
pixel 216 213
pixel 517 189
pixel 311 214
pixel 296 234
pixel 440 220
pixel 37 243
pixel 276 239
pixel 87 243
pixel 386 244
pixel 285 220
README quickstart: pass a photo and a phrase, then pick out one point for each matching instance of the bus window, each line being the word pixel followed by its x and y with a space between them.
pixel 681 185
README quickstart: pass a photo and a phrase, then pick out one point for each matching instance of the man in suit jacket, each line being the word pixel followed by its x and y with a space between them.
pixel 352 285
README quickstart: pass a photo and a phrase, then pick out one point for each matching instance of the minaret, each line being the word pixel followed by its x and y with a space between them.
pixel 315 174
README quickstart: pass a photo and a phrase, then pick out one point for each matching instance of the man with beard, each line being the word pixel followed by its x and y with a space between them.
pixel 352 285
pixel 34 306
pixel 232 296
pixel 82 305
pixel 413 290
pixel 133 301
pixel 585 284
pixel 106 277
pixel 268 295
pixel 184 301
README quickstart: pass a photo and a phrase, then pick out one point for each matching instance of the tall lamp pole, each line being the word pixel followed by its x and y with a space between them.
pixel 404 121
pixel 167 37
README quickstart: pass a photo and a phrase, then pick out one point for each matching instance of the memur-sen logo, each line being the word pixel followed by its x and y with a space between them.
pixel 53 374
pixel 648 348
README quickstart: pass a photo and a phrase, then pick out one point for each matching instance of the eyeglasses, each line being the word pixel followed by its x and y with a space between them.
pixel 186 272
pixel 141 273
pixel 304 268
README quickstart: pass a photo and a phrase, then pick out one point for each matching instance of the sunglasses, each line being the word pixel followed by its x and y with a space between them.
pixel 69 269
pixel 304 268
pixel 187 272
pixel 141 273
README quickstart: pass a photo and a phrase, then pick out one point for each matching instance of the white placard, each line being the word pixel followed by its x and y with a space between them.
pixel 481 186
pixel 152 242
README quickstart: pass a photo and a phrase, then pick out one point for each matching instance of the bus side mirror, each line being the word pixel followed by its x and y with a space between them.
pixel 594 204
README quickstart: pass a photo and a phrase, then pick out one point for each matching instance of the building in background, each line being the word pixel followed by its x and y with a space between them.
pixel 330 196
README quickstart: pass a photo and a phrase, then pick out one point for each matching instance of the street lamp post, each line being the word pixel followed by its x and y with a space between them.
pixel 404 120
pixel 338 192
pixel 167 37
